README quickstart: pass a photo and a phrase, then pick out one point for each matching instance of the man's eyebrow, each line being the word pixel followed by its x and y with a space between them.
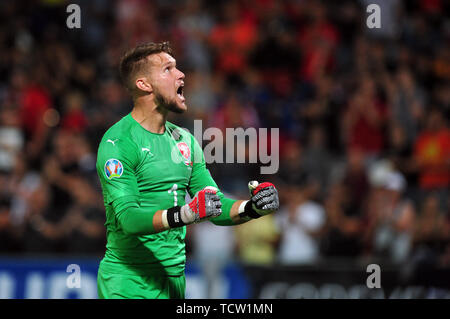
pixel 170 62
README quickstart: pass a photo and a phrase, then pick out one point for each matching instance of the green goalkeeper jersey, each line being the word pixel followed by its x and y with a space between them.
pixel 153 172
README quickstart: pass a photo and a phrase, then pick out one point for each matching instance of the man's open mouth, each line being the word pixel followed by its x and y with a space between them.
pixel 180 91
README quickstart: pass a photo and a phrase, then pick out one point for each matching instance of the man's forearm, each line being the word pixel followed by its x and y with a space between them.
pixel 137 221
pixel 235 210
pixel 230 215
pixel 263 201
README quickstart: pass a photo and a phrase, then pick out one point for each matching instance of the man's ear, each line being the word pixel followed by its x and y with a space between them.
pixel 143 84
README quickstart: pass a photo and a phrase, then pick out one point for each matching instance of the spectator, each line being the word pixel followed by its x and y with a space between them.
pixel 430 236
pixel 195 25
pixel 408 102
pixel 35 102
pixel 355 179
pixel 395 219
pixel 8 239
pixel 318 161
pixel 363 121
pixel 400 154
pixel 212 248
pixel 301 223
pixel 292 171
pixel 432 153
pixel 318 40
pixel 231 39
pixel 73 118
pixel 258 242
pixel 22 183
pixel 344 225
pixel 12 138
pixel 42 228
pixel 84 221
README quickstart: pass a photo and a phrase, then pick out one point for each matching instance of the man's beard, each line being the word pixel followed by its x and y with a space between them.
pixel 164 103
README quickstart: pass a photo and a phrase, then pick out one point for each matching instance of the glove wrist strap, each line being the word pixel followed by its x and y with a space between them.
pixel 174 217
pixel 248 211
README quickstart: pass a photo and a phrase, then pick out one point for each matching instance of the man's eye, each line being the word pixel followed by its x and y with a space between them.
pixel 167 69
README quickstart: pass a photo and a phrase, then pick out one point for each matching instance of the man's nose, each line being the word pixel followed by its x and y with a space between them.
pixel 181 75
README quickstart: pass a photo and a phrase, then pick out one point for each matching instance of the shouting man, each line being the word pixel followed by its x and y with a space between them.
pixel 146 166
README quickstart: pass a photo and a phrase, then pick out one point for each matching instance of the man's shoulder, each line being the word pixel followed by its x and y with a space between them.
pixel 121 126
pixel 118 136
pixel 122 130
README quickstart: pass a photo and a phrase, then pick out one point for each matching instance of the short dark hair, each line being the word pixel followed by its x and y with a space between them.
pixel 133 60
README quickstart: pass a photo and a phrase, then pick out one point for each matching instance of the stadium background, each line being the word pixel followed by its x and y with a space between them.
pixel 364 141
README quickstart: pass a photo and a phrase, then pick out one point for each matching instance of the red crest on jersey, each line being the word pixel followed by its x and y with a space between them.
pixel 184 150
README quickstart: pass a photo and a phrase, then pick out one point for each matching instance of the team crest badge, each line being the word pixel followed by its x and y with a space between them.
pixel 185 152
pixel 113 168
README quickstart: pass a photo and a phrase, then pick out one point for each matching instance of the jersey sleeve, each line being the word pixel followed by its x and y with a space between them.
pixel 116 162
pixel 201 177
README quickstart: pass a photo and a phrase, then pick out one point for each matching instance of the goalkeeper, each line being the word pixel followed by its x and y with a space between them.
pixel 146 166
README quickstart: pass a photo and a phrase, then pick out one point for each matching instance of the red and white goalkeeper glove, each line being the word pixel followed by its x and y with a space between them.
pixel 205 205
pixel 264 200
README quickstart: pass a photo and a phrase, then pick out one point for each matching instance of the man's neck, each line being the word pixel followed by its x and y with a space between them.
pixel 149 116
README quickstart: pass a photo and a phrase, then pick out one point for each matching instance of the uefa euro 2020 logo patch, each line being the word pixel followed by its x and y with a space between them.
pixel 113 168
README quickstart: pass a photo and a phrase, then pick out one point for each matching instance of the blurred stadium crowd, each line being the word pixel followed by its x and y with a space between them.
pixel 363 118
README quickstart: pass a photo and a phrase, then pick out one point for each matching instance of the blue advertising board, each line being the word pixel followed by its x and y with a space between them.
pixel 76 278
